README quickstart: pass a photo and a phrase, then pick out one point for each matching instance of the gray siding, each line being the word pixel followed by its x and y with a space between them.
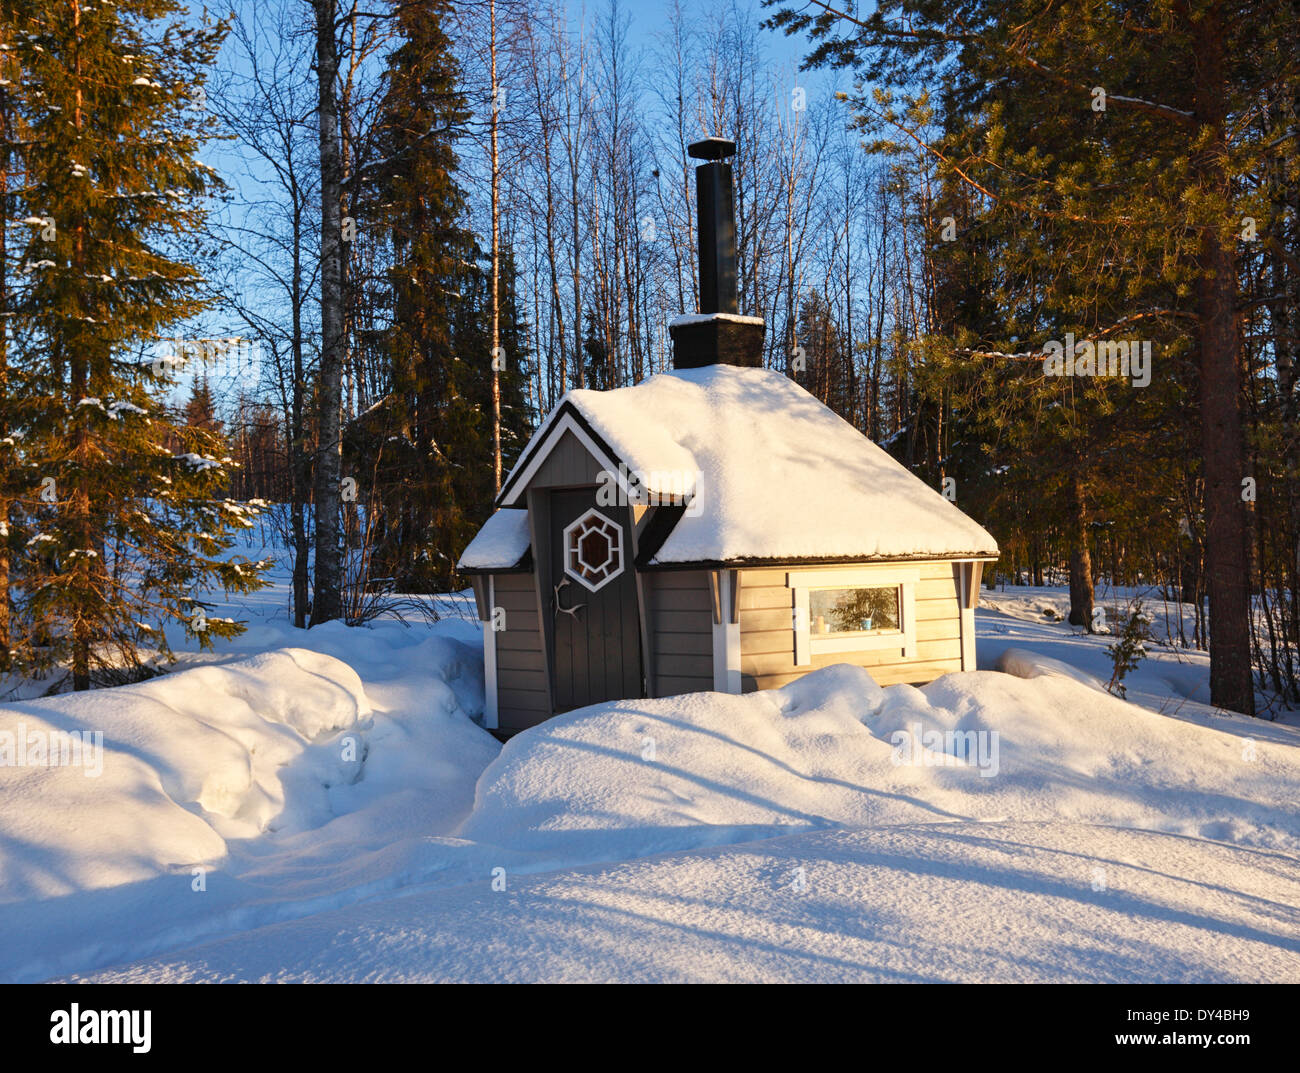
pixel 523 684
pixel 767 632
pixel 569 463
pixel 523 698
pixel 681 630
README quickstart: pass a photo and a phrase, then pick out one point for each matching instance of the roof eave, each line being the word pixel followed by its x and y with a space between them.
pixel 524 565
pixel 828 560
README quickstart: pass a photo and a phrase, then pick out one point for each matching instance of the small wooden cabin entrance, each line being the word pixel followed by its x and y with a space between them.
pixel 595 642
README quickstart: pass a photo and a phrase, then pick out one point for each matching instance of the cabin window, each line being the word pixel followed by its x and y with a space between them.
pixel 864 610
pixel 853 610
pixel 593 550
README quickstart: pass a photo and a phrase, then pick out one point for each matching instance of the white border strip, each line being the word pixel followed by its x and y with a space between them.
pixel 491 719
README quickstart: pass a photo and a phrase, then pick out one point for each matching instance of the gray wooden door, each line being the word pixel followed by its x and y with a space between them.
pixel 596 643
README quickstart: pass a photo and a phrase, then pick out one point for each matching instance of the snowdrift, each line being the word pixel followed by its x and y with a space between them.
pixel 281 750
pixel 303 792
pixel 190 760
pixel 635 778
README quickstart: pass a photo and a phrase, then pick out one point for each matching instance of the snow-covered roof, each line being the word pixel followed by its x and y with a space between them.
pixel 777 475
pixel 500 544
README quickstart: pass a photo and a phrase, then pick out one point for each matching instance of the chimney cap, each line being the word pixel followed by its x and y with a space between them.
pixel 712 149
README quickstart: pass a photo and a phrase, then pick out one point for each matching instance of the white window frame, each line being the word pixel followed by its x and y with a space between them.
pixel 902 640
pixel 616 545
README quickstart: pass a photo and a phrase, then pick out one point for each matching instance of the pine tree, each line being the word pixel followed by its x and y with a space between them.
pixel 1181 98
pixel 826 363
pixel 124 529
pixel 1001 287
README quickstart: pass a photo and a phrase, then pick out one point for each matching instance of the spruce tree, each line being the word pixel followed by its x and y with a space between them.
pixel 201 409
pixel 124 527
pixel 425 450
pixel 417 210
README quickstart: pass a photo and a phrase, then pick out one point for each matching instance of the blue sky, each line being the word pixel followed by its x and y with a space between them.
pixel 646 18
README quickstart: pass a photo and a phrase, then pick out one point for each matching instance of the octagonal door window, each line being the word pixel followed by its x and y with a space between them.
pixel 593 550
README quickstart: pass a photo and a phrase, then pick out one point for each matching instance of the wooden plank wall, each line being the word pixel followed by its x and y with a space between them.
pixel 523 699
pixel 569 464
pixel 681 631
pixel 767 632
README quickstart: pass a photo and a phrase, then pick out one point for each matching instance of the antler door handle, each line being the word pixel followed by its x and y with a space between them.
pixel 560 609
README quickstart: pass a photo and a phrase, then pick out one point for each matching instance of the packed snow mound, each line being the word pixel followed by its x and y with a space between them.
pixel 185 761
pixel 734 435
pixel 275 784
pixel 634 778
pixel 1026 664
pixel 951 902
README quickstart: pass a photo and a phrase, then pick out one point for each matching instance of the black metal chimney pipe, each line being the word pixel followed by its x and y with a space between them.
pixel 717 334
pixel 716 220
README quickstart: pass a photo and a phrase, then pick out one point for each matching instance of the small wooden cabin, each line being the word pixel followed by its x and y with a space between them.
pixel 715 527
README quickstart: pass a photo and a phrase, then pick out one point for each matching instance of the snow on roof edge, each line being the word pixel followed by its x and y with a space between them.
pixel 500 544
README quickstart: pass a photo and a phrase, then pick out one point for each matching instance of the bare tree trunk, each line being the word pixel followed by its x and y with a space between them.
pixel 1081 594
pixel 297 438
pixel 267 117
pixel 1219 357
pixel 326 604
pixel 557 333
pixel 496 255
pixel 578 363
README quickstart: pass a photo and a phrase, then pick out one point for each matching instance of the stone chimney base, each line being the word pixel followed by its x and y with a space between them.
pixel 717 339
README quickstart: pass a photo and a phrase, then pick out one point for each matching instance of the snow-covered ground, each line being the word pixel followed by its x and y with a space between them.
pixel 322 805
pixel 1173 677
pixel 926 902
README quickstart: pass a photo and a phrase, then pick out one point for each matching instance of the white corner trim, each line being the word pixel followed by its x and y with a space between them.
pixel 970 577
pixel 726 639
pixel 909 614
pixel 491 717
pixel 543 452
pixel 802 628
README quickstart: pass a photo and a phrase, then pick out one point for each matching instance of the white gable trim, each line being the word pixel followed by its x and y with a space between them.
pixel 567 423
